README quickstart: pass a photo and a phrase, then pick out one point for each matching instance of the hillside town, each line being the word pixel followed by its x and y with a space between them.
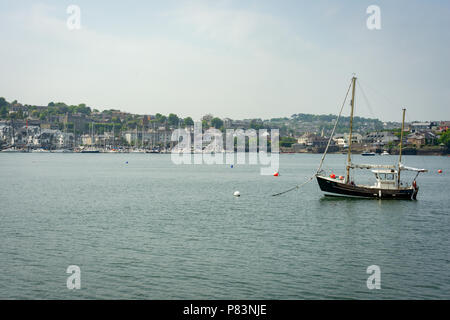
pixel 58 127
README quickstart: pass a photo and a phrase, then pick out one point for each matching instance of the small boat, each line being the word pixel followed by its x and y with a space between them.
pixel 368 154
pixel 90 150
pixel 62 151
pixel 12 149
pixel 385 153
pixel 137 150
pixel 41 150
pixel 388 184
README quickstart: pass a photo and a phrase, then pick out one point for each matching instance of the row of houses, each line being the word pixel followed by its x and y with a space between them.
pixel 35 136
pixel 435 126
pixel 372 139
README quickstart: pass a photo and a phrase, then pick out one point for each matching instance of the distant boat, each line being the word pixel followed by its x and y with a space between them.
pixel 12 149
pixel 388 184
pixel 385 153
pixel 40 151
pixel 90 150
pixel 368 153
pixel 137 151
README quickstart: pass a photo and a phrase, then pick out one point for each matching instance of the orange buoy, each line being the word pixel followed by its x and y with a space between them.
pixel 332 176
pixel 341 177
pixel 440 171
pixel 275 174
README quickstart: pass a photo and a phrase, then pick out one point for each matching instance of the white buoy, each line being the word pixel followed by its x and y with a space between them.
pixel 237 194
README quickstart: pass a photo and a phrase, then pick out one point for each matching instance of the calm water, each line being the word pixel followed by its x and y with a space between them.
pixel 152 230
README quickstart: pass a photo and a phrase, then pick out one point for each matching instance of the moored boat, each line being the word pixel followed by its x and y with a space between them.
pixel 388 184
pixel 90 150
pixel 40 150
pixel 12 149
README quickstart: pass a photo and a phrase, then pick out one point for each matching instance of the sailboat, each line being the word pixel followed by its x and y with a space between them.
pixel 92 148
pixel 388 184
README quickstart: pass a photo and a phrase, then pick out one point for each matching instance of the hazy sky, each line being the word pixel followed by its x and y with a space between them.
pixel 237 59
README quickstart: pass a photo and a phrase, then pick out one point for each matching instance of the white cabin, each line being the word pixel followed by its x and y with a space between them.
pixel 386 179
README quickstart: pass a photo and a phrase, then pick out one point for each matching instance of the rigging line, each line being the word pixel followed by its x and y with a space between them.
pixel 334 129
pixel 365 99
pixel 326 149
pixel 381 94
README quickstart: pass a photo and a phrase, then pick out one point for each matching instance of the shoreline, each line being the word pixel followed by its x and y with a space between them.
pixel 281 152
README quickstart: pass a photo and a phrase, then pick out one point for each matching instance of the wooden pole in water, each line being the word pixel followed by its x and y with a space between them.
pixel 349 158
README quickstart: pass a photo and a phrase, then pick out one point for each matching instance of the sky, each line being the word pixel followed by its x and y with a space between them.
pixel 236 59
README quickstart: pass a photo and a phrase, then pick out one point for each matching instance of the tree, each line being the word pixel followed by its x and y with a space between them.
pixel 3 112
pixel 207 118
pixel 20 114
pixel 255 124
pixel 287 141
pixel 217 123
pixel 160 118
pixel 445 139
pixel 115 120
pixel 3 102
pixel 188 121
pixel 43 115
pixel 173 119
pixel 81 108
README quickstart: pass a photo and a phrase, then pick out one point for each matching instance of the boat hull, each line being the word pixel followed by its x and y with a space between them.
pixel 338 188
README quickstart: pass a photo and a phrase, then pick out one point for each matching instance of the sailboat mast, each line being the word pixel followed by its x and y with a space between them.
pixel 401 146
pixel 349 157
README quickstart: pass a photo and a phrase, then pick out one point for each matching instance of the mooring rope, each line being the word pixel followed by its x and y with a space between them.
pixel 293 188
pixel 324 154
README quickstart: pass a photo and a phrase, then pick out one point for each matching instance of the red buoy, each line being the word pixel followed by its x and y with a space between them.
pixel 332 176
pixel 275 174
pixel 439 171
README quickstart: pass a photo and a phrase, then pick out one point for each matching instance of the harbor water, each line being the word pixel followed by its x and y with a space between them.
pixel 141 227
